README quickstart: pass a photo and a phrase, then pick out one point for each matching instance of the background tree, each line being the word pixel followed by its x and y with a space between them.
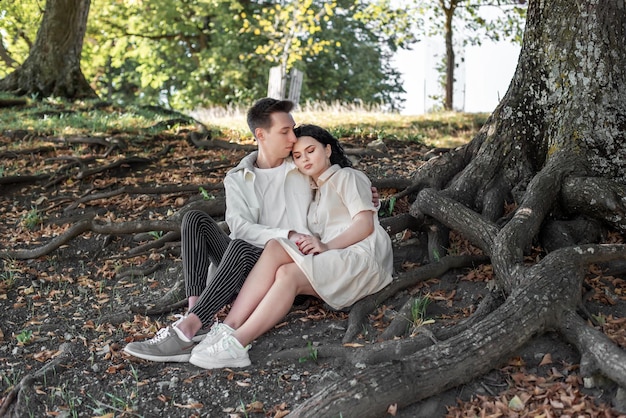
pixel 471 22
pixel 223 50
pixel 361 42
pixel 53 64
pixel 18 29
pixel 215 52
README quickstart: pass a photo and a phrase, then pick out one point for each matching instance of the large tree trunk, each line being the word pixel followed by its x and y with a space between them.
pixel 555 148
pixel 53 65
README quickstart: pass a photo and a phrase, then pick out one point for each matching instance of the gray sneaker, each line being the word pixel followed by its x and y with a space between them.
pixel 166 346
pixel 228 352
pixel 217 331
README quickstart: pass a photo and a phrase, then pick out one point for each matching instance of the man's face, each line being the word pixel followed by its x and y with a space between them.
pixel 278 140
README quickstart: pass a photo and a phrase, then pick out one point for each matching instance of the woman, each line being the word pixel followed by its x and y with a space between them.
pixel 349 255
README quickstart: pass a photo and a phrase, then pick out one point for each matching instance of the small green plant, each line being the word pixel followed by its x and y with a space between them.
pixel 156 234
pixel 12 377
pixel 9 274
pixel 418 313
pixel 386 207
pixel 600 319
pixel 242 408
pixel 72 401
pixel 24 337
pixel 436 255
pixel 32 219
pixel 205 194
pixel 117 402
pixel 312 355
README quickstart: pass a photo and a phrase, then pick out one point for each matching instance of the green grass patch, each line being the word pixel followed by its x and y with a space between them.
pixel 61 118
pixel 442 129
pixel 368 123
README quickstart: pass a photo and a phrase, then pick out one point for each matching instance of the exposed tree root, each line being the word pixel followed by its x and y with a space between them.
pixel 16 401
pixel 13 102
pixel 86 224
pixel 125 190
pixel 171 236
pixel 174 299
pixel 596 198
pixel 437 367
pixel 360 310
pixel 137 272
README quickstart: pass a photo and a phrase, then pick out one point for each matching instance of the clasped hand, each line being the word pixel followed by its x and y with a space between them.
pixel 309 244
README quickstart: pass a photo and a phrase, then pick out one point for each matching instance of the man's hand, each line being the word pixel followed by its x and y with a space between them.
pixel 311 245
pixel 296 236
pixel 375 198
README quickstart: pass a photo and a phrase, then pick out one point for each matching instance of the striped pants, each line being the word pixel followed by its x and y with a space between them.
pixel 204 243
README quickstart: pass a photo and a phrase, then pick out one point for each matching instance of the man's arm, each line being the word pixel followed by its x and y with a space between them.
pixel 242 215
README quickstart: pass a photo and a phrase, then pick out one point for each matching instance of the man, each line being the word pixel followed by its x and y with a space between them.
pixel 266 197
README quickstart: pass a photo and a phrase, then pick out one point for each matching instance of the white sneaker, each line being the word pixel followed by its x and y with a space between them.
pixel 217 331
pixel 227 352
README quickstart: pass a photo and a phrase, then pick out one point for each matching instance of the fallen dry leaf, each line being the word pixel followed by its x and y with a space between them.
pixel 547 359
pixel 196 405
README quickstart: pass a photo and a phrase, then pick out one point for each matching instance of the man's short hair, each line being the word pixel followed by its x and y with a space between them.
pixel 259 115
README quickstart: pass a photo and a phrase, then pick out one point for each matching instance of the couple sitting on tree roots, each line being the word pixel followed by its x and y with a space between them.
pixel 302 222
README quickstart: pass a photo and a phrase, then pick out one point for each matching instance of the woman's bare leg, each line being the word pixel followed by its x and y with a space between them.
pixel 289 282
pixel 259 281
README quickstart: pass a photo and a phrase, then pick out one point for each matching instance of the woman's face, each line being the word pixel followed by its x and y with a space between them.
pixel 310 156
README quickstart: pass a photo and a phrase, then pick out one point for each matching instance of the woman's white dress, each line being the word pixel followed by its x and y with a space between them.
pixel 341 277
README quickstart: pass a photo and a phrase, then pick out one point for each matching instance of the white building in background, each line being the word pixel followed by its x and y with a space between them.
pixel 483 75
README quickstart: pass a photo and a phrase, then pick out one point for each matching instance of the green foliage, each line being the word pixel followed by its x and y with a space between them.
pixel 218 52
pixel 32 219
pixel 156 234
pixel 9 274
pixel 386 207
pixel 56 117
pixel 419 306
pixel 473 21
pixel 312 355
pixel 470 22
pixel 19 21
pixel 25 337
pixel 436 255
pixel 11 377
pixel 283 27
pixel 205 194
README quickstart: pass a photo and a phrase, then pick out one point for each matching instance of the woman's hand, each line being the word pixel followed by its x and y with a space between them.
pixel 311 245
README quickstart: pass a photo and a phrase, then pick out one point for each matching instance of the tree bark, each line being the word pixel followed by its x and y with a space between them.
pixel 450 60
pixel 553 149
pixel 53 64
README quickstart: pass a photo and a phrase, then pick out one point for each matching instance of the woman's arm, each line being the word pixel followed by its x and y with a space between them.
pixel 361 227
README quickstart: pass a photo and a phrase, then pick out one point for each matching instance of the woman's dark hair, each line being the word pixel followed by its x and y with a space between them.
pixel 321 135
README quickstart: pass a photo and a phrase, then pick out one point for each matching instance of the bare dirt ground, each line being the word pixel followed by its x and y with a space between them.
pixel 71 308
